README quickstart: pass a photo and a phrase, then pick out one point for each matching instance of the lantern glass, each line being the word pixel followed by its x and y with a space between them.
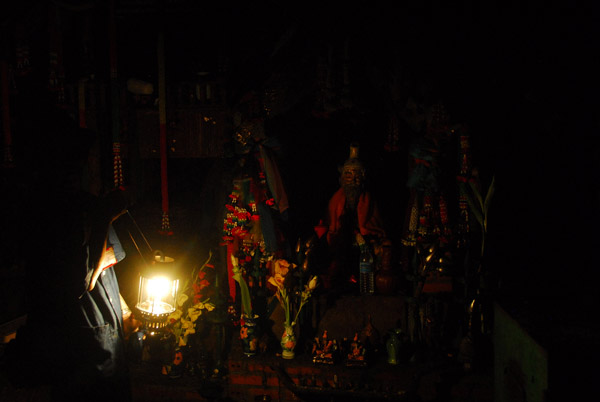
pixel 157 297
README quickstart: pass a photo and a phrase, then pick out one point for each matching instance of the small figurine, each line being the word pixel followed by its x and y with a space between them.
pixel 370 337
pixel 357 353
pixel 324 349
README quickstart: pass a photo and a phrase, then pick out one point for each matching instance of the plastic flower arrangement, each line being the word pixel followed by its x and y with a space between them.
pixel 288 290
pixel 191 303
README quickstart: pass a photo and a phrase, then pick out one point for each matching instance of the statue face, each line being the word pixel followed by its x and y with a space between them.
pixel 242 138
pixel 352 176
pixel 247 134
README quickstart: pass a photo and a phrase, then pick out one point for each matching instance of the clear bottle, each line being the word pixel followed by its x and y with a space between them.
pixel 366 268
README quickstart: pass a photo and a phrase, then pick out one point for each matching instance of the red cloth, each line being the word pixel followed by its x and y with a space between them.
pixel 369 220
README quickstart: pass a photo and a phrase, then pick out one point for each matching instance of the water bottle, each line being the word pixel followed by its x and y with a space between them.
pixel 367 274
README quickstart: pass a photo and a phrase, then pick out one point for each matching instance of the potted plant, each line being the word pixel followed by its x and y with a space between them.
pixel 292 299
pixel 478 288
pixel 191 303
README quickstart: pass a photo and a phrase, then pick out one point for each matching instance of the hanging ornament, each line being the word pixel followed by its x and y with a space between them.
pixel 8 160
pixel 22 52
pixel 443 211
pixel 463 228
pixel 117 165
pixel 425 218
pixel 410 239
pixel 165 225
pixel 465 152
pixel 56 73
pixel 464 155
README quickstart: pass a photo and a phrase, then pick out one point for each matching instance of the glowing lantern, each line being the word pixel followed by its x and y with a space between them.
pixel 159 284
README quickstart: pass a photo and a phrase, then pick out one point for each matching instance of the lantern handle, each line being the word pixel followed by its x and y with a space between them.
pixel 161 254
pixel 133 240
pixel 139 230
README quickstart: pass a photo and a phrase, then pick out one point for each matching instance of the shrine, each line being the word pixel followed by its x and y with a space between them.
pixel 262 201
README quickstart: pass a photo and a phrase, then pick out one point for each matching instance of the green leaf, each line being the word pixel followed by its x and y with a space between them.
pixel 198 270
pixel 475 210
pixel 245 298
pixel 488 197
pixel 476 193
pixel 244 291
pixel 186 286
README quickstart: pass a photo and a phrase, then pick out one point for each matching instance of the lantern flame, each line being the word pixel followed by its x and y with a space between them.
pixel 158 287
pixel 157 291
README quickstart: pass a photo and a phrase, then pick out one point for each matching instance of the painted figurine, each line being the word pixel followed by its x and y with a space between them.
pixel 357 353
pixel 324 349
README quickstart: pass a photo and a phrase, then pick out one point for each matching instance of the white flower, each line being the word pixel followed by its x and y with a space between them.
pixel 181 298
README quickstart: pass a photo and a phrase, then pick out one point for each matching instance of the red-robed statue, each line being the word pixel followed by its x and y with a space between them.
pixel 351 210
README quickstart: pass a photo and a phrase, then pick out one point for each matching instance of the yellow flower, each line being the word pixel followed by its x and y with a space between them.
pixel 195 312
pixel 274 282
pixel 280 270
pixel 188 327
pixel 175 315
pixel 282 267
pixel 209 306
pixel 186 323
pixel 312 284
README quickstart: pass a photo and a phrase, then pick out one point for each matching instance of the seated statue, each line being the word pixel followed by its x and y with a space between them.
pixel 351 210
